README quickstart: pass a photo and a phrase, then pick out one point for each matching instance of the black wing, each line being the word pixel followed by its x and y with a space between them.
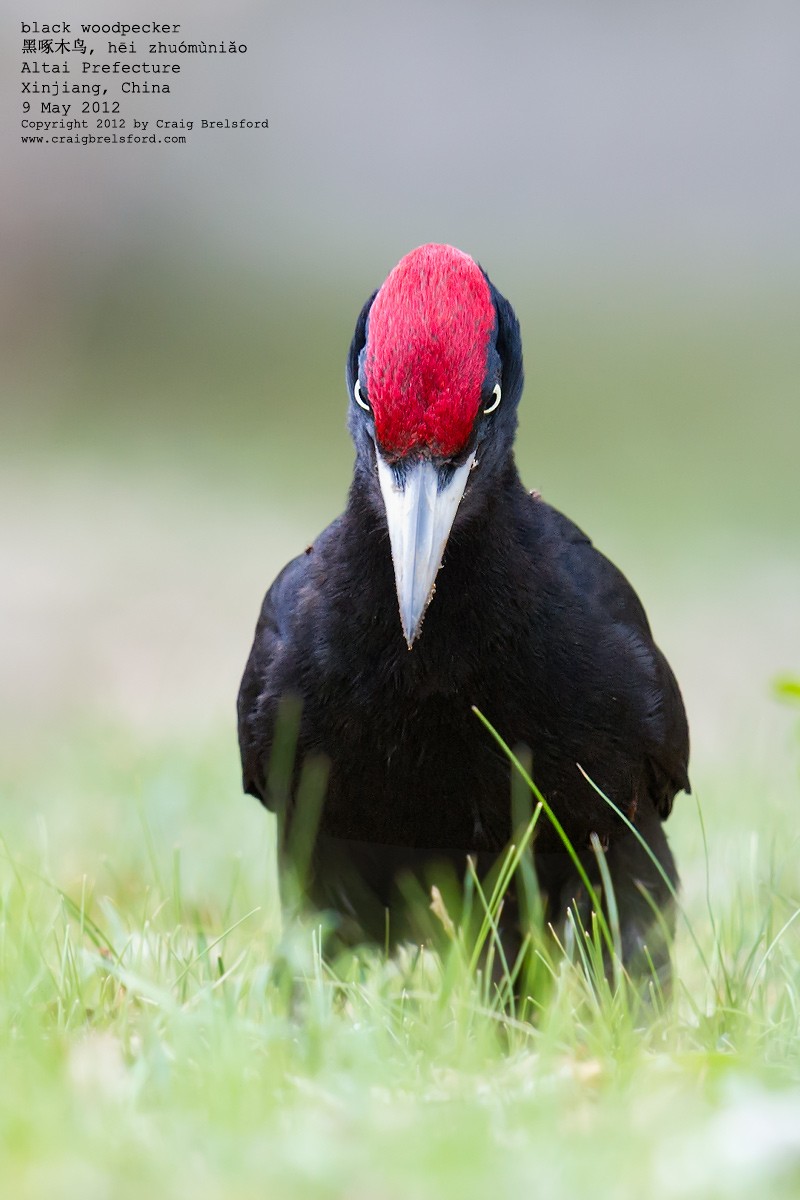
pixel 663 725
pixel 268 674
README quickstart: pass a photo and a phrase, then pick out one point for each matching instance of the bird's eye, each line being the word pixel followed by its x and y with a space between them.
pixel 497 394
pixel 359 399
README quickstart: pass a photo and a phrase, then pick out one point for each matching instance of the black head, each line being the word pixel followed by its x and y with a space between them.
pixel 434 375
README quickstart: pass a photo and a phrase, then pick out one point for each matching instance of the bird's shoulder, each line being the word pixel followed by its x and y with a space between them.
pixel 585 571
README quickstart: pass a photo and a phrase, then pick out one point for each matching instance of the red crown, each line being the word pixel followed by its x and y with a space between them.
pixel 427 345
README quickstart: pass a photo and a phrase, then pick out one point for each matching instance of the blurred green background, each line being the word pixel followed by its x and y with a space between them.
pixel 177 317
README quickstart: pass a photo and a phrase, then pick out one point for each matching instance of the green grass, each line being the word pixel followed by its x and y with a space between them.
pixel 162 1030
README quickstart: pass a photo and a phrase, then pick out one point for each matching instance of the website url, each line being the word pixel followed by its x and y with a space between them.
pixel 87 139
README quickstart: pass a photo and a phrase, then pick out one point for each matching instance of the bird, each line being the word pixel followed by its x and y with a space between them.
pixel 446 587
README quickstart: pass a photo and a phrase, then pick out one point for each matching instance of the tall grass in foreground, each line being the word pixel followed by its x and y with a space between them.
pixel 155 1038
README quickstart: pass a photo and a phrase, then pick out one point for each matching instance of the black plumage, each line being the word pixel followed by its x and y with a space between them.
pixel 530 624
